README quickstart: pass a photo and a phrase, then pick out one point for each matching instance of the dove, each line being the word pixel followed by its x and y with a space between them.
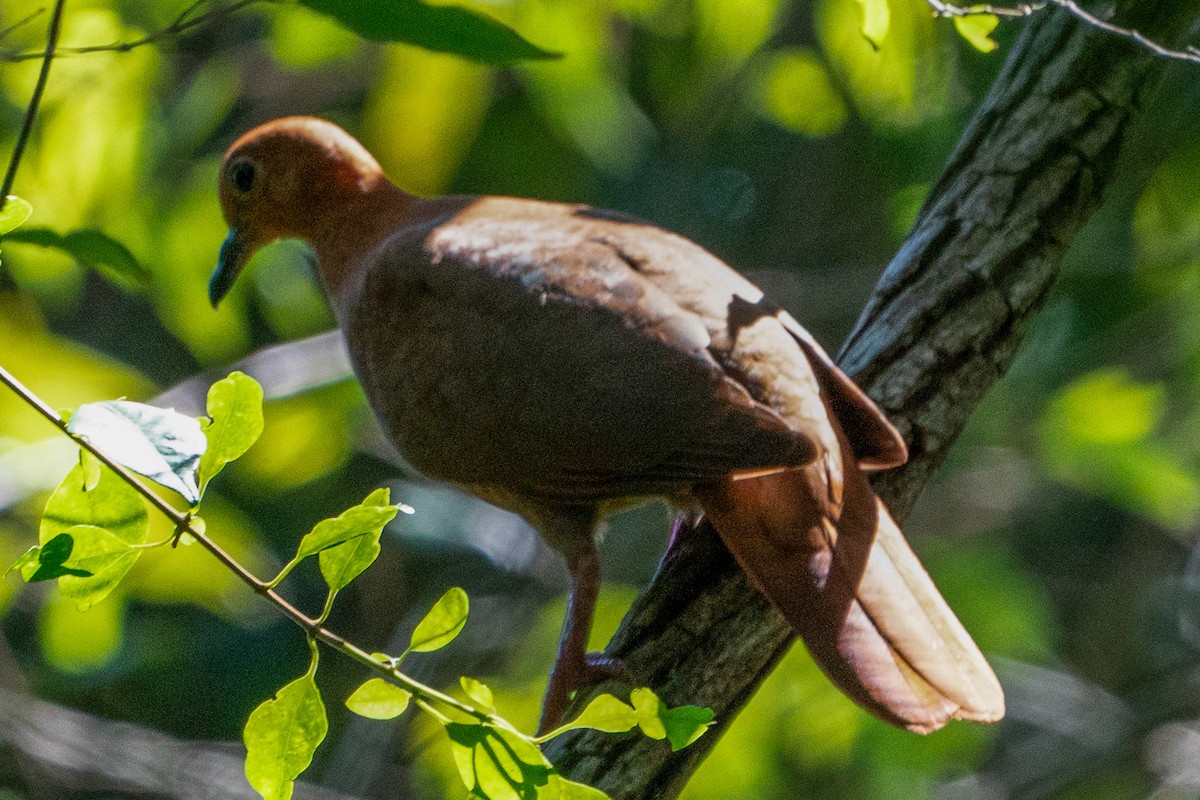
pixel 563 362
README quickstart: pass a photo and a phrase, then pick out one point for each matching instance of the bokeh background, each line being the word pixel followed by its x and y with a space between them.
pixel 1063 529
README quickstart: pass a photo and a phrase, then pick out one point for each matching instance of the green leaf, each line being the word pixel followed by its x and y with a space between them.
pixel 378 699
pixel 977 29
pixel 366 519
pixel 446 29
pixel 570 790
pixel 480 694
pixel 605 713
pixel 681 725
pixel 281 736
pixel 98 562
pixel 235 422
pixel 160 444
pixel 92 248
pixel 499 764
pixel 876 20
pixel 349 543
pixel 110 503
pixel 15 212
pixel 443 622
pixel 686 724
pixel 649 710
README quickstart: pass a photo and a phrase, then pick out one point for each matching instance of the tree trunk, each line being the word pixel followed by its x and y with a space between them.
pixel 943 324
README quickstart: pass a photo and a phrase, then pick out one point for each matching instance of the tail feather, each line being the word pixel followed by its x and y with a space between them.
pixel 852 588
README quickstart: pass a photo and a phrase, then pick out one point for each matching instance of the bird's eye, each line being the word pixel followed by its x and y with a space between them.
pixel 242 175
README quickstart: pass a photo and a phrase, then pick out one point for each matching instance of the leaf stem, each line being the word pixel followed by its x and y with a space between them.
pixel 183 523
pixel 35 100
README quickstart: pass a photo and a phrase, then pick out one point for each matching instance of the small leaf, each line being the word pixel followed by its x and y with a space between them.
pixel 92 248
pixel 570 790
pixel 686 724
pixel 977 29
pixel 480 694
pixel 235 422
pixel 281 736
pixel 499 764
pixel 111 504
pixel 443 622
pixel 649 709
pixel 446 29
pixel 605 713
pixel 349 543
pixel 15 212
pixel 876 20
pixel 160 444
pixel 365 519
pixel 378 699
pixel 99 560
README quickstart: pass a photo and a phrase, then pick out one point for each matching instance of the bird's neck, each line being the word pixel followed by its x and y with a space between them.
pixel 351 228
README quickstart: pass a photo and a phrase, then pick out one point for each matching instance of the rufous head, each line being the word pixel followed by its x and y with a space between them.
pixel 285 179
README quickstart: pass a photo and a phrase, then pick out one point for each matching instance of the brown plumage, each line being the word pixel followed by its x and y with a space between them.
pixel 562 361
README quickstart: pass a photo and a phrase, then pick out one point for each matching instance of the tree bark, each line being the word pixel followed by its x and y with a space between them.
pixel 942 326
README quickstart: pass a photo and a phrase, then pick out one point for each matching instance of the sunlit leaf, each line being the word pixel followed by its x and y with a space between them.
pixel 92 248
pixel 235 421
pixel 443 622
pixel 499 764
pixel 977 29
pixel 480 694
pixel 649 710
pixel 349 543
pixel 111 504
pixel 378 699
pixel 563 789
pixel 875 21
pixel 447 29
pixel 281 736
pixel 103 559
pixel 160 444
pixel 366 519
pixel 15 212
pixel 604 713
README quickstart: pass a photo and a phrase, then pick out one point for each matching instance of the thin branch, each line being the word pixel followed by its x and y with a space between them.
pixel 183 524
pixel 1190 53
pixel 5 32
pixel 34 101
pixel 187 20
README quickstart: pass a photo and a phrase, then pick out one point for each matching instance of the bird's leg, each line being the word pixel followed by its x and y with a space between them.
pixel 572 668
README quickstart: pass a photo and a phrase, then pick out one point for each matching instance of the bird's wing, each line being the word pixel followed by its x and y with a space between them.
pixel 600 385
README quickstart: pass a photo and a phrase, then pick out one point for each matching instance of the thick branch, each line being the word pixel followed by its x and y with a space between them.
pixel 943 325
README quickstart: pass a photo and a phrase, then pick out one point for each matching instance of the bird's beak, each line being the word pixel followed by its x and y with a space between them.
pixel 229 264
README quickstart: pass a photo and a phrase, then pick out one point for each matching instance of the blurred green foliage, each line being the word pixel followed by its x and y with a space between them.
pixel 1062 529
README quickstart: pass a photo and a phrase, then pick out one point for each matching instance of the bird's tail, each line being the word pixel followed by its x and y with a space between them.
pixel 853 589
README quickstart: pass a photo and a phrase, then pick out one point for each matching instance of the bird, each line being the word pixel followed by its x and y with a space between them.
pixel 563 362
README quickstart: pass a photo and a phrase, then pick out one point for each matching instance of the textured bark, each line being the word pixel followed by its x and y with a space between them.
pixel 944 323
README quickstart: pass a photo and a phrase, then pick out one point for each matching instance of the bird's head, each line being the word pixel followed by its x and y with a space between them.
pixel 287 179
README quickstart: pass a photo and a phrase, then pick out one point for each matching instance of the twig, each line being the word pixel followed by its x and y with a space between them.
pixel 31 112
pixel 186 21
pixel 4 32
pixel 183 524
pixel 1190 53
